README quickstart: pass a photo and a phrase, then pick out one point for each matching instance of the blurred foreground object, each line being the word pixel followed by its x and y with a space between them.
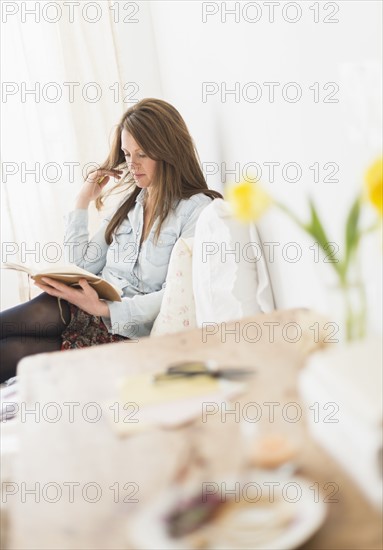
pixel 349 380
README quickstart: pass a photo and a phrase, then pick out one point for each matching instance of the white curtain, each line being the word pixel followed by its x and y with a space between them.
pixel 86 69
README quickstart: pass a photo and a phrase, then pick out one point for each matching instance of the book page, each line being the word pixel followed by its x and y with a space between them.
pixel 65 269
pixel 17 267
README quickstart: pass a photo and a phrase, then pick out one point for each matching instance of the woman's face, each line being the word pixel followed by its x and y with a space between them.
pixel 139 164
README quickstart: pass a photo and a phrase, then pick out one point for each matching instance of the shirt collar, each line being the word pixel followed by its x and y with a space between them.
pixel 141 196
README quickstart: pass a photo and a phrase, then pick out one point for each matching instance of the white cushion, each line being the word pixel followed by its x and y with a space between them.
pixel 177 308
pixel 230 278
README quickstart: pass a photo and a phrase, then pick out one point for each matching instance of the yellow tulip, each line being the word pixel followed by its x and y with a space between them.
pixel 248 200
pixel 374 184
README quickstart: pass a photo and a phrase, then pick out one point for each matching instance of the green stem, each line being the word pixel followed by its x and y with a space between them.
pixel 373 227
pixel 337 266
pixel 354 295
pixel 291 215
pixel 362 312
pixel 348 312
pixel 355 313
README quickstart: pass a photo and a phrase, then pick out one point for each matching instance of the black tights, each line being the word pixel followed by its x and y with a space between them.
pixel 32 327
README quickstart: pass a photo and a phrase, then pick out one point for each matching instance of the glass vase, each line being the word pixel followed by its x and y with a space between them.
pixel 354 310
pixel 349 305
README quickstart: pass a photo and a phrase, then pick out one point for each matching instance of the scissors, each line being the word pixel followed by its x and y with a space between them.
pixel 202 368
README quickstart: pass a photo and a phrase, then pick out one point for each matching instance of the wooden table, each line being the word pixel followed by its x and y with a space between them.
pixel 86 452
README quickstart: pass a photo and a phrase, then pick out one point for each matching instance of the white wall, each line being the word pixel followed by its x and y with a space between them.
pixel 169 53
pixel 235 130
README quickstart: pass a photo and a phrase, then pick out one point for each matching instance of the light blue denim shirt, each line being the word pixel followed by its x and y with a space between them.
pixel 139 271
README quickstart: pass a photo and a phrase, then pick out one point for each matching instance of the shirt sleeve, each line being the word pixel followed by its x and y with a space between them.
pixel 78 249
pixel 134 317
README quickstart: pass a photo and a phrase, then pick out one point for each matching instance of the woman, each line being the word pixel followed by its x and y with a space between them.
pixel 166 193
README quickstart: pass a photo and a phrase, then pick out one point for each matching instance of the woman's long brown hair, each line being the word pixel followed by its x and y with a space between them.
pixel 162 134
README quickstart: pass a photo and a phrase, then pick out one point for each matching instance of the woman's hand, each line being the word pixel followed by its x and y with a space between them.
pixel 85 298
pixel 94 184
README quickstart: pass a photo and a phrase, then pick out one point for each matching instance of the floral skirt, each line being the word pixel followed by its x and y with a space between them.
pixel 86 330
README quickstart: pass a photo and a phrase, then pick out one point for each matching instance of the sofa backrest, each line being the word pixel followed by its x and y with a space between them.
pixel 230 275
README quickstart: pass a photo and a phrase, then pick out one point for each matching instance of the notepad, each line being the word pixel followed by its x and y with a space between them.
pixel 143 390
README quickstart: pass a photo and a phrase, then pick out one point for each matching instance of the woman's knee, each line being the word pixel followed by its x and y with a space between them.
pixel 41 315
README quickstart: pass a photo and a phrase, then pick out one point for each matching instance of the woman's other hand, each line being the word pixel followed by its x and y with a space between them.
pixel 86 298
pixel 93 186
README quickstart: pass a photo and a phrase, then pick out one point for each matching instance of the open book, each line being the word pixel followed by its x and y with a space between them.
pixel 70 274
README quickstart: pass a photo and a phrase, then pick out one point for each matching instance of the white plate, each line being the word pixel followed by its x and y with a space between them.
pixel 148 529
